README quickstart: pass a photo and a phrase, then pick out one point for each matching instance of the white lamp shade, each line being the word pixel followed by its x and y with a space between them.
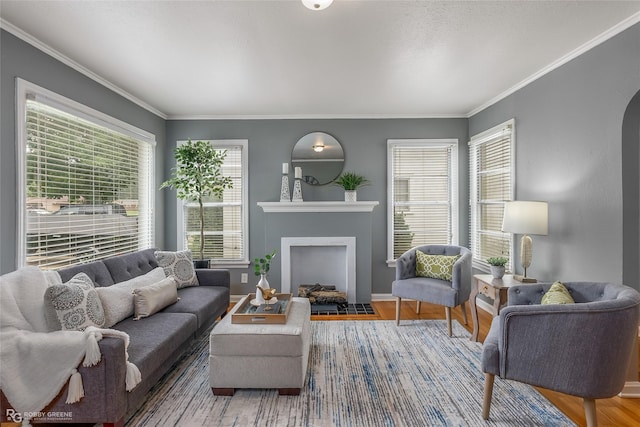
pixel 523 217
pixel 317 4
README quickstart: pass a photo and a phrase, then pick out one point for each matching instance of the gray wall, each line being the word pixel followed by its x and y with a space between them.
pixel 364 143
pixel 20 59
pixel 569 153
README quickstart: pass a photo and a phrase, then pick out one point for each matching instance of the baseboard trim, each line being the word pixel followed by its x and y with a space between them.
pixel 631 390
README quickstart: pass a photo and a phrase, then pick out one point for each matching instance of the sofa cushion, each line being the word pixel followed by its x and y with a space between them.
pixel 73 305
pixel 128 266
pixel 180 265
pixel 201 301
pixel 148 300
pixel 97 272
pixel 117 300
pixel 435 266
pixel 154 339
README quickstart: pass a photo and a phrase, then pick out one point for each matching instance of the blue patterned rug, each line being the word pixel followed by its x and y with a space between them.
pixel 361 373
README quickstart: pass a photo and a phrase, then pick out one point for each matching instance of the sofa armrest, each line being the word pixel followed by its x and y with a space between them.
pixel 214 277
pixel 105 399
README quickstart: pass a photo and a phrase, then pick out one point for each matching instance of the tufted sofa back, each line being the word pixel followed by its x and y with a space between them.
pixel 581 292
pixel 116 269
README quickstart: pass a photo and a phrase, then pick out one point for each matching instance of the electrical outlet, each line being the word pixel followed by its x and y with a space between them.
pixel 244 278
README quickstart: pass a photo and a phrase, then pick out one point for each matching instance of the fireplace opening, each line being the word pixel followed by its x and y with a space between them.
pixel 322 260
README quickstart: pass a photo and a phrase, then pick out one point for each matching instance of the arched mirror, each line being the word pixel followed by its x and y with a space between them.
pixel 320 156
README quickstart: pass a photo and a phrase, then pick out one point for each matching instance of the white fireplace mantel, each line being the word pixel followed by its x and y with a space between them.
pixel 365 206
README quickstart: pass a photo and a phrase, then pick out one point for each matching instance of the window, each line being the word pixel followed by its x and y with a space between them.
pixel 226 220
pixel 85 181
pixel 422 182
pixel 492 172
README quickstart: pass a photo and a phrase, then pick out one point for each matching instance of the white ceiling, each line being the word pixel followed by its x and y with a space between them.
pixel 187 59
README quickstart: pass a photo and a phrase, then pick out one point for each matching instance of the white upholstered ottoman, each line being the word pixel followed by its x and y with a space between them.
pixel 261 355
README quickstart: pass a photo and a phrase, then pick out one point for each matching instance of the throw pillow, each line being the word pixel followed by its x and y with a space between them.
pixel 117 300
pixel 74 305
pixel 179 265
pixel 153 298
pixel 435 266
pixel 557 294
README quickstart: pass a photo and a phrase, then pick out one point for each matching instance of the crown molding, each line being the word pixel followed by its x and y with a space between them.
pixel 28 38
pixel 316 116
pixel 606 35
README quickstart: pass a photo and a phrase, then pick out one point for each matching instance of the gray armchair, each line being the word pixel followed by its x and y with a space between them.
pixel 436 291
pixel 580 349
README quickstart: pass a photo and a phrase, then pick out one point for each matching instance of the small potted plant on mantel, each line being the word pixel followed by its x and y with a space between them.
pixel 497 266
pixel 197 175
pixel 350 181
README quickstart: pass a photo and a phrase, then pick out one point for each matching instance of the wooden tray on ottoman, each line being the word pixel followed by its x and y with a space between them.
pixel 246 312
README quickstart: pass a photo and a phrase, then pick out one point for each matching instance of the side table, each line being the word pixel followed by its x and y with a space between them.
pixel 496 289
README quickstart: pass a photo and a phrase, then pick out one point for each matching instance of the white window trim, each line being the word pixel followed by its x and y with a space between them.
pixel 446 142
pixel 225 143
pixel 24 90
pixel 479 138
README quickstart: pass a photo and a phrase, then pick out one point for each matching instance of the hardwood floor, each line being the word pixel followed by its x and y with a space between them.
pixel 612 412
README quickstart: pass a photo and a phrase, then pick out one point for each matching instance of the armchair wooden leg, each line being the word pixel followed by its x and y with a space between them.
pixel 418 306
pixel 488 392
pixel 590 412
pixel 463 306
pixel 447 312
pixel 398 302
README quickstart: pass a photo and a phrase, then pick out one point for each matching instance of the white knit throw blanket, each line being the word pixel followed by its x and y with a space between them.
pixel 36 364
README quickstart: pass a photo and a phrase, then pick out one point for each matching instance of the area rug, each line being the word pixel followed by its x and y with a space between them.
pixel 361 373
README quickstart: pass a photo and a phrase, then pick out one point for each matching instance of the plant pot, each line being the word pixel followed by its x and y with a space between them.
pixel 350 196
pixel 201 263
pixel 497 271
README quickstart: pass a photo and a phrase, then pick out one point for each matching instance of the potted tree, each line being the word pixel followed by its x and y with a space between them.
pixel 350 181
pixel 497 266
pixel 198 175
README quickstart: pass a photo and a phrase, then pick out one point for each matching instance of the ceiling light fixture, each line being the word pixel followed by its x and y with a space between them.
pixel 318 147
pixel 317 4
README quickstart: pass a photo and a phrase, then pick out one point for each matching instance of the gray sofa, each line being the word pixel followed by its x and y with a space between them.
pixel 156 342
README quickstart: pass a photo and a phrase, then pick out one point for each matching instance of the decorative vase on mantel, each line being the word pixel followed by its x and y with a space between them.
pixel 497 271
pixel 350 196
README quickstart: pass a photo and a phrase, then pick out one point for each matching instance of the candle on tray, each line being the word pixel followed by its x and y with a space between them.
pixel 285 168
pixel 298 172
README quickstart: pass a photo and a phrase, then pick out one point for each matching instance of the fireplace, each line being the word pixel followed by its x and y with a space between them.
pixel 324 260
pixel 312 235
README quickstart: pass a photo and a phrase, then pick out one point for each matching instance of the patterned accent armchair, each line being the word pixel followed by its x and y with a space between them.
pixel 436 291
pixel 580 349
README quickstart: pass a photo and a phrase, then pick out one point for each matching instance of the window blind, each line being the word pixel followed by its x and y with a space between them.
pixel 492 174
pixel 88 189
pixel 423 183
pixel 225 218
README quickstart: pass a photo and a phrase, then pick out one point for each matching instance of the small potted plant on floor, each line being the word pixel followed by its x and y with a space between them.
pixel 197 175
pixel 497 266
pixel 350 181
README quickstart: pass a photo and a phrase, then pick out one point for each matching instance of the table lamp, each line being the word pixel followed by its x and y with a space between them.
pixel 525 217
